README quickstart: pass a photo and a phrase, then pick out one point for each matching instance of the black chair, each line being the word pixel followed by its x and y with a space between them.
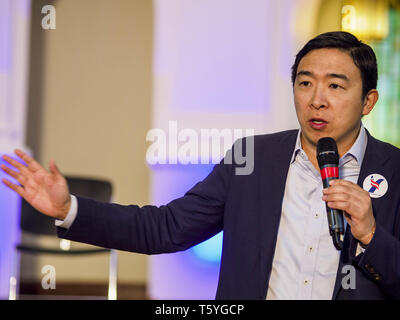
pixel 34 222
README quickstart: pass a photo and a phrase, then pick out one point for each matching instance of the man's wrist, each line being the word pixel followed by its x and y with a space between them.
pixel 70 218
pixel 67 209
pixel 364 241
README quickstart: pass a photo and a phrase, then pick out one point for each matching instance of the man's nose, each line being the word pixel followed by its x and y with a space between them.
pixel 318 99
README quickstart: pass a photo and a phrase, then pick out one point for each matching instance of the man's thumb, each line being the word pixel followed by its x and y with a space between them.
pixel 53 168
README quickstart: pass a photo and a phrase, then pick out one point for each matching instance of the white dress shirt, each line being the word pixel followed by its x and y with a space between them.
pixel 305 261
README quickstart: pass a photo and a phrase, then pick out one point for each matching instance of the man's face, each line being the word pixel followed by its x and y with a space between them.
pixel 328 98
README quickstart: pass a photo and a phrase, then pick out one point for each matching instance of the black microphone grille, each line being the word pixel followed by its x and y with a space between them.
pixel 327 152
pixel 326 144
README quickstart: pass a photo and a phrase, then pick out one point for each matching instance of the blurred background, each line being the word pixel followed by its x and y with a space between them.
pixel 83 82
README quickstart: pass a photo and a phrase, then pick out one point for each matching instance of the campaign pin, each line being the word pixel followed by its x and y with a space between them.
pixel 376 185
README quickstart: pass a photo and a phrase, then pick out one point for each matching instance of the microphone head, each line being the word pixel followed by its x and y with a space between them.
pixel 327 152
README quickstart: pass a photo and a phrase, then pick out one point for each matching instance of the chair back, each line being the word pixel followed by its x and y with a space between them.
pixel 35 222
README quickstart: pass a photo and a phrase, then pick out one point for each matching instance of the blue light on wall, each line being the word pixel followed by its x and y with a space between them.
pixel 209 250
pixel 187 175
pixel 189 274
pixel 9 231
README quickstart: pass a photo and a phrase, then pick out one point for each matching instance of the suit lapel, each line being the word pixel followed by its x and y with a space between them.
pixel 374 162
pixel 275 166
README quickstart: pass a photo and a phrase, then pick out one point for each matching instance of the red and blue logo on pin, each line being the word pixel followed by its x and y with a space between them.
pixel 376 185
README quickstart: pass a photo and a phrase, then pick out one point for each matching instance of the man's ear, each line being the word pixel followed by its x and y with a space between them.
pixel 369 101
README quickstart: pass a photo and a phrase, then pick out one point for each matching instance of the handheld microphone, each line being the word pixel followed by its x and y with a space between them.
pixel 328 161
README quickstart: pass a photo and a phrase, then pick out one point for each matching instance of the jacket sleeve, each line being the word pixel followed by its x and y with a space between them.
pixel 381 262
pixel 176 226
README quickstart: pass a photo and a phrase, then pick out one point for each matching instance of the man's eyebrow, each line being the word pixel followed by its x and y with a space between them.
pixel 330 75
pixel 339 75
pixel 304 73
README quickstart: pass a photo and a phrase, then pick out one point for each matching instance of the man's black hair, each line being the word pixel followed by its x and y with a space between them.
pixel 362 54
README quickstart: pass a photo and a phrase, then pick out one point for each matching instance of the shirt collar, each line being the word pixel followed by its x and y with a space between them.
pixel 357 150
pixel 297 147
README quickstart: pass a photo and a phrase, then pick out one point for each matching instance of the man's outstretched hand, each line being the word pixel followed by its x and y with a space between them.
pixel 46 191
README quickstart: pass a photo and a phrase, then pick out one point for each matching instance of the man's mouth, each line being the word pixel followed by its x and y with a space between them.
pixel 317 123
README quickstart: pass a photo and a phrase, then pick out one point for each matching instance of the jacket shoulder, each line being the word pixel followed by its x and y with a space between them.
pixel 258 143
pixel 387 149
pixel 276 137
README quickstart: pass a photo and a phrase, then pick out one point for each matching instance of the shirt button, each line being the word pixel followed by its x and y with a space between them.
pixel 310 249
pixel 316 215
pixel 305 282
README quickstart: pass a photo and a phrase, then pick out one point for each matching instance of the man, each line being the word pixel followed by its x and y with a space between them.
pixel 276 241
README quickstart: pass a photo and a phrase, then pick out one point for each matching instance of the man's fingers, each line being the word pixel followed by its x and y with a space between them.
pixel 340 181
pixel 16 175
pixel 31 163
pixel 338 189
pixel 340 205
pixel 342 188
pixel 344 183
pixel 12 186
pixel 13 162
pixel 336 197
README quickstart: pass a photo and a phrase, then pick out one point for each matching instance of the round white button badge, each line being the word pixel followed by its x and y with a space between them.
pixel 376 185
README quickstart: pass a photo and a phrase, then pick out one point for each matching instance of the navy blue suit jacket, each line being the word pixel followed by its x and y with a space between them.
pixel 248 209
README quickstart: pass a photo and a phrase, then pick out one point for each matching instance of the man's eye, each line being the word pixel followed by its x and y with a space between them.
pixel 335 86
pixel 305 83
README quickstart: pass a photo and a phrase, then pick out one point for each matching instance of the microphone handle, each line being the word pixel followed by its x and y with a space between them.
pixel 336 226
pixel 335 220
